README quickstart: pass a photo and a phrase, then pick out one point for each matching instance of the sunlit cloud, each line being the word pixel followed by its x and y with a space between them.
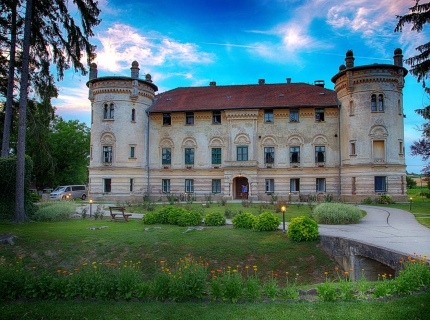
pixel 121 44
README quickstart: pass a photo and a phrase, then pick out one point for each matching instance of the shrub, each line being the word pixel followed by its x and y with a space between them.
pixel 384 199
pixel 150 218
pixel 163 214
pixel 174 213
pixel 55 211
pixel 302 229
pixel 266 221
pixel 214 219
pixel 336 213
pixel 410 183
pixel 189 218
pixel 367 200
pixel 244 220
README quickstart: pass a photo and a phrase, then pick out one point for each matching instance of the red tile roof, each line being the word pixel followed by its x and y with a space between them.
pixel 282 95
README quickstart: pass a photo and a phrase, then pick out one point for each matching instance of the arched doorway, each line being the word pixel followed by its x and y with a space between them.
pixel 239 184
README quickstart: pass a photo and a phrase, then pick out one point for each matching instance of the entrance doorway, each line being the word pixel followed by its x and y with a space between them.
pixel 241 188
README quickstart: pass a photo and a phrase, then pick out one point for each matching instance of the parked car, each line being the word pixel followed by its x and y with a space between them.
pixel 69 192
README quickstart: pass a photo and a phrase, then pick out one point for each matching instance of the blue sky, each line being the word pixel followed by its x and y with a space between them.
pixel 192 42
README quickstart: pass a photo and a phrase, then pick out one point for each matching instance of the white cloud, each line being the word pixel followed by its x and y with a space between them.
pixel 121 44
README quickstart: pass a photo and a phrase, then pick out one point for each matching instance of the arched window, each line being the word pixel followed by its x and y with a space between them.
pixel 108 111
pixel 133 115
pixel 381 103
pixel 373 103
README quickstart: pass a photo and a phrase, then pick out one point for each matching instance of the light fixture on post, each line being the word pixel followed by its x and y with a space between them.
pixel 91 207
pixel 410 203
pixel 283 209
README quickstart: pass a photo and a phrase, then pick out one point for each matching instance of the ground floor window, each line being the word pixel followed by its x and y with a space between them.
pixel 216 185
pixel 320 185
pixel 189 185
pixel 380 184
pixel 131 185
pixel 165 185
pixel 107 185
pixel 294 185
pixel 270 185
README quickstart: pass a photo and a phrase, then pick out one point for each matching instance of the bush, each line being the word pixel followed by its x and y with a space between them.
pixel 302 229
pixel 150 218
pixel 336 213
pixel 174 213
pixel 163 214
pixel 244 220
pixel 55 211
pixel 266 221
pixel 189 218
pixel 384 199
pixel 410 183
pixel 214 219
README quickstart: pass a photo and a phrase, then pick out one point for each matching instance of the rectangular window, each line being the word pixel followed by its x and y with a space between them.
pixel 189 155
pixel 107 185
pixel 294 115
pixel 132 152
pixel 242 153
pixel 268 115
pixel 216 185
pixel 166 156
pixel 109 111
pixel 216 117
pixel 379 151
pixel 133 115
pixel 380 184
pixel 131 185
pixel 401 149
pixel 189 118
pixel 320 185
pixel 319 115
pixel 165 185
pixel 167 119
pixel 216 155
pixel 354 188
pixel 107 154
pixel 294 154
pixel 189 185
pixel 353 148
pixel 270 185
pixel 319 154
pixel 294 185
pixel 269 155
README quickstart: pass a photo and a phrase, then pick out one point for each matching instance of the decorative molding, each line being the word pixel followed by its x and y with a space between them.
pixel 242 139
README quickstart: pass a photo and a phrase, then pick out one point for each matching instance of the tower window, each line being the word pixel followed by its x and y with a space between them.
pixel 133 115
pixel 294 115
pixel 131 185
pixel 216 117
pixel 108 111
pixel 132 155
pixel 373 102
pixel 189 118
pixel 381 103
pixel 353 151
pixel 107 154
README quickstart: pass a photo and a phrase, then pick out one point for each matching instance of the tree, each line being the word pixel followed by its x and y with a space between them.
pixel 53 36
pixel 418 16
pixel 410 182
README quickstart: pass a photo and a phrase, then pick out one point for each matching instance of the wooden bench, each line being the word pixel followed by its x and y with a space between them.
pixel 116 216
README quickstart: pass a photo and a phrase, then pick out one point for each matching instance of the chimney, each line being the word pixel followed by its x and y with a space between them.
pixel 212 84
pixel 319 83
pixel 93 71
pixel 135 70
pixel 349 59
pixel 261 81
pixel 288 80
pixel 398 57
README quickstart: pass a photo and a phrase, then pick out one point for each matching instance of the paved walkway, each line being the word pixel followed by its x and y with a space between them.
pixel 394 229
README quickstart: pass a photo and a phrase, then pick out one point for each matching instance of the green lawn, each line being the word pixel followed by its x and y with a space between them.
pixel 409 307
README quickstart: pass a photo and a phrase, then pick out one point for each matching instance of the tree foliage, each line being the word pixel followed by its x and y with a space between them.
pixel 418 16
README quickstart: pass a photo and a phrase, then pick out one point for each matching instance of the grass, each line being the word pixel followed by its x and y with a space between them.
pixel 68 244
pixel 409 307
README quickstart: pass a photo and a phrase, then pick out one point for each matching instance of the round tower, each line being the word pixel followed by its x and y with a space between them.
pixel 119 130
pixel 371 129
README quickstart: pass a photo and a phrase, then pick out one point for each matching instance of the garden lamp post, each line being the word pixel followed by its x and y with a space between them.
pixel 283 208
pixel 410 203
pixel 91 207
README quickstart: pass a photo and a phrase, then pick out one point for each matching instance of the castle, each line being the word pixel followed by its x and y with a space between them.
pixel 257 141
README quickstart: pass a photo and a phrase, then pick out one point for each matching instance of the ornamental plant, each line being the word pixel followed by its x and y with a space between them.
pixel 214 219
pixel 336 213
pixel 266 221
pixel 243 220
pixel 189 218
pixel 302 229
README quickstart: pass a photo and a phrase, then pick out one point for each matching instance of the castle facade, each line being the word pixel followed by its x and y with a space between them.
pixel 288 140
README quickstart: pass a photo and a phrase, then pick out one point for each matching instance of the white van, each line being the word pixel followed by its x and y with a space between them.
pixel 69 192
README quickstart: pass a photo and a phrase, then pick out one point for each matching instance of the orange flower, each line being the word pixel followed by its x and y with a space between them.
pixel 346 272
pixel 326 273
pixel 212 271
pixel 336 268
